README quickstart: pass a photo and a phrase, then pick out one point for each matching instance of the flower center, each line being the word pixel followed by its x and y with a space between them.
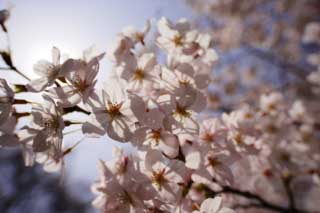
pixel 212 161
pixel 158 178
pixel 177 40
pixel 80 83
pixel 208 137
pixel 182 111
pixel 114 110
pixel 138 75
pixel 124 197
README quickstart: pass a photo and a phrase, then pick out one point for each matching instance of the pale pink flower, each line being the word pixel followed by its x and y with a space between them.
pixel 117 197
pixel 212 132
pixel 298 112
pixel 121 52
pixel 45 133
pixel 135 35
pixel 183 75
pixel 48 72
pixel 271 103
pixel 173 37
pixel 81 80
pixel 165 175
pixel 113 115
pixel 186 104
pixel 200 51
pixel 142 74
pixel 159 139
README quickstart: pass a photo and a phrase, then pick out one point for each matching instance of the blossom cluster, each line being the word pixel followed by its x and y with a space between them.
pixel 156 99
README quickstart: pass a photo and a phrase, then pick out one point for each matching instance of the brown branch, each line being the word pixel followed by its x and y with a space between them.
pixel 259 201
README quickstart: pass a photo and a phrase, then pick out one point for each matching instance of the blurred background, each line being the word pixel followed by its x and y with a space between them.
pixel 262 44
pixel 34 27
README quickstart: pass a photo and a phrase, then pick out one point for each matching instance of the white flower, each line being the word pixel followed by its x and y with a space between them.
pixel 212 132
pixel 45 133
pixel 173 37
pixel 186 104
pixel 48 72
pixel 183 75
pixel 165 175
pixel 120 53
pixel 271 103
pixel 200 50
pixel 136 35
pixel 81 80
pixel 157 139
pixel 142 74
pixel 116 197
pixel 113 115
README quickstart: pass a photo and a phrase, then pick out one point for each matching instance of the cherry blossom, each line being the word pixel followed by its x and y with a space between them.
pixel 48 72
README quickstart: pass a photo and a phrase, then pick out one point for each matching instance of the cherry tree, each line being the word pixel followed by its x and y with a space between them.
pixel 260 153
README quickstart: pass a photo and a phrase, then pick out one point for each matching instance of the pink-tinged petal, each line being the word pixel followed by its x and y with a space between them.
pixel 169 78
pixel 202 81
pixel 191 36
pixel 169 144
pixel 167 103
pixel 185 69
pixel 55 56
pixel 119 130
pixel 43 68
pixel 183 25
pixel 189 125
pixel 50 106
pixel 193 160
pixel 67 96
pixel 139 136
pixel 211 205
pixel 138 107
pixel 152 158
pixel 153 118
pixel 204 40
pixel 165 30
pixel 93 128
pixel 38 85
pixel 147 61
pixel 67 67
pixel 200 103
pixel 177 171
pixel 211 56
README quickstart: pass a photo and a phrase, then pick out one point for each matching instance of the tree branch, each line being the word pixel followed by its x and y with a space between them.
pixel 260 202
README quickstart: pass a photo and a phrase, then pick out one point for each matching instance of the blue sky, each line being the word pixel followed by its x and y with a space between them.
pixel 37 25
